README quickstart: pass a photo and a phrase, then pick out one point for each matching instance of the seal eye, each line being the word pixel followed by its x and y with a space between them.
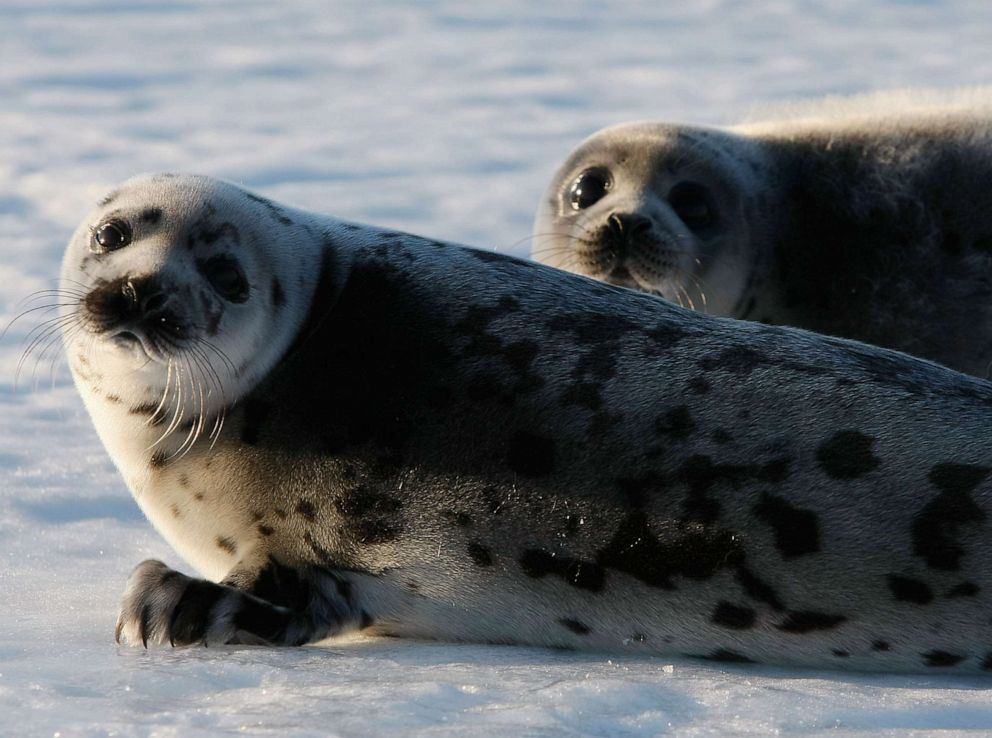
pixel 112 235
pixel 589 188
pixel 693 204
pixel 226 277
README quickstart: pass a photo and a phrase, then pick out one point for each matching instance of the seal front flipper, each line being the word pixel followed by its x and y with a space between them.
pixel 267 604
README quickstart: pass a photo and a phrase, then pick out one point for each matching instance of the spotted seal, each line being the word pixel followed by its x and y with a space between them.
pixel 342 427
pixel 868 218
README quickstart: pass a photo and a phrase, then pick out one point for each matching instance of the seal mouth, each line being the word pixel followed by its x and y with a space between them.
pixel 134 343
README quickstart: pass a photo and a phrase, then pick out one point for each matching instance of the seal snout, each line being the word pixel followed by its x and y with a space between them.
pixel 624 233
pixel 136 306
pixel 624 227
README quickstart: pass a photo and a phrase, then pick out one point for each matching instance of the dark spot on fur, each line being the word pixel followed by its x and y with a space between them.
pixel 113 399
pixel 307 510
pixel 227 545
pixel 732 616
pixel 480 555
pixel 942 658
pixel 531 455
pixel 278 296
pixel 641 489
pixel 758 590
pixel 199 496
pixel 700 473
pixel 965 589
pixel 372 517
pixel 176 512
pixel 158 459
pixel 726 656
pixel 699 385
pixel 840 654
pixel 677 424
pixel 880 646
pixel 462 520
pixel 151 216
pixel 274 210
pixel 538 563
pixel 847 455
pixel 807 621
pixel 938 524
pixel 361 503
pixel 722 436
pixel 797 531
pixel 738 360
pixel 575 626
pixel 987 662
pixel 265 530
pixel 679 549
pixel 906 589
pixel 183 480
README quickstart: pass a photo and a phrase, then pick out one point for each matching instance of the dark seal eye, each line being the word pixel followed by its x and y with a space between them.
pixel 589 188
pixel 693 203
pixel 226 277
pixel 112 235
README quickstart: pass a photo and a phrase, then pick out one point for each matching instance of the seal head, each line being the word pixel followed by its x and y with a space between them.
pixel 659 208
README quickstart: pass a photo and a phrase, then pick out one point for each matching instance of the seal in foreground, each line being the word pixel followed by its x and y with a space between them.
pixel 349 428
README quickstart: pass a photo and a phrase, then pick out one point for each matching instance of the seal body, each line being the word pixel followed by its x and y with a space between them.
pixel 449 443
pixel 868 218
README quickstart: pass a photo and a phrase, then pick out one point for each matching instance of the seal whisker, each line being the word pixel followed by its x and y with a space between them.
pixel 48 307
pixel 196 415
pixel 174 370
pixel 43 332
pixel 215 379
pixel 53 343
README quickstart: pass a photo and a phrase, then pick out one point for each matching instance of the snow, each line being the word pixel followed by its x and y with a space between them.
pixel 443 118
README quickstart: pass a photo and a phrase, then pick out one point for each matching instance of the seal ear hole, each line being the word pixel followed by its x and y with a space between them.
pixel 589 188
pixel 226 277
pixel 110 235
pixel 694 205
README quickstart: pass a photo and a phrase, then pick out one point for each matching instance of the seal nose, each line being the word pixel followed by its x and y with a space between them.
pixel 143 296
pixel 628 225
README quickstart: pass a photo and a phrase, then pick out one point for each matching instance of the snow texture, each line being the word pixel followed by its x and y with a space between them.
pixel 443 118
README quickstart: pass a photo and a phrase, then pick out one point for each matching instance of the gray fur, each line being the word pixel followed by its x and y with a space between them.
pixel 466 446
pixel 851 222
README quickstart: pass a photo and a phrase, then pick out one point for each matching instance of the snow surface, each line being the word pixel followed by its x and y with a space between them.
pixel 444 118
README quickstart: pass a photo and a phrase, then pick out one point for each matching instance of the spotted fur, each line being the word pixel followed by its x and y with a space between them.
pixel 455 444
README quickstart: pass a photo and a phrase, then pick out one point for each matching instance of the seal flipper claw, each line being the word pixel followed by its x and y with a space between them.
pixel 163 606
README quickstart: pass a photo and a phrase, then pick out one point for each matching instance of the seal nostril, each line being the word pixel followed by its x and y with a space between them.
pixel 616 224
pixel 638 224
pixel 625 226
pixel 153 302
pixel 129 292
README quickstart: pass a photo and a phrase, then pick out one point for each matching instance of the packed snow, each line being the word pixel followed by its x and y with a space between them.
pixel 442 118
